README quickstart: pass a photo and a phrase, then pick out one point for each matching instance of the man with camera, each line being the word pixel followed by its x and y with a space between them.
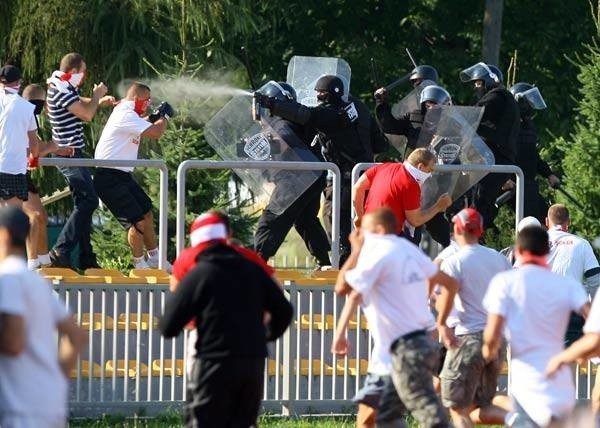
pixel 116 186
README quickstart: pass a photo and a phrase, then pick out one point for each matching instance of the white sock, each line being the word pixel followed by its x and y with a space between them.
pixel 44 259
pixel 33 264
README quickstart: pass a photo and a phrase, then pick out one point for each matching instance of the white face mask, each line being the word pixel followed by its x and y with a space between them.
pixel 420 176
pixel 76 79
pixel 12 89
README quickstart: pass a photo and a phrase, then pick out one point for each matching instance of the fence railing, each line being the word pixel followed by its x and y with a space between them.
pixel 128 367
pixel 161 165
pixel 280 165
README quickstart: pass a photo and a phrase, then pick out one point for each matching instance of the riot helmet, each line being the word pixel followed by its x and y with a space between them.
pixel 528 97
pixel 488 73
pixel 333 86
pixel 279 90
pixel 434 94
pixel 423 72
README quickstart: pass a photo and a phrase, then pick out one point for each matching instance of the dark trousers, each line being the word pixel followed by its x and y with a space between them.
pixel 78 228
pixel 535 205
pixel 439 229
pixel 303 215
pixel 224 393
pixel 486 192
pixel 345 215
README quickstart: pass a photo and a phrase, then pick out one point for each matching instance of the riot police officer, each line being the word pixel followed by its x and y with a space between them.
pixel 410 123
pixel 338 132
pixel 272 228
pixel 499 128
pixel 530 99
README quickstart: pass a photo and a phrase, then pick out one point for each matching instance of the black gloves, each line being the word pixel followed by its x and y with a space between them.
pixel 264 100
pixel 164 109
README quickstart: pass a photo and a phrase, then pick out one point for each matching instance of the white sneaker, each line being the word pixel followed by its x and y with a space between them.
pixel 153 263
pixel 141 265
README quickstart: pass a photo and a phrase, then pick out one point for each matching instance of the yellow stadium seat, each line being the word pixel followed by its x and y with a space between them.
pixel 272 368
pixel 79 279
pixel 56 271
pixel 326 274
pixel 132 369
pixel 152 276
pixel 504 369
pixel 352 369
pixel 583 369
pixel 84 366
pixel 316 366
pixel 104 272
pixel 353 324
pixel 167 366
pixel 96 321
pixel 317 321
pixel 288 275
pixel 320 282
pixel 133 321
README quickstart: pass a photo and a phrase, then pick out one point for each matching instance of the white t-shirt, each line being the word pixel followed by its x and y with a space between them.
pixel 120 137
pixel 473 266
pixel 16 120
pixel 536 304
pixel 391 275
pixel 32 383
pixel 570 255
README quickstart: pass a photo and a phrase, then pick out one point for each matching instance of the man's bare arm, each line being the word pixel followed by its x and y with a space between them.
pixel 12 334
pixel 419 217
pixel 85 109
pixel 73 339
pixel 339 345
pixel 341 286
pixel 359 190
pixel 492 336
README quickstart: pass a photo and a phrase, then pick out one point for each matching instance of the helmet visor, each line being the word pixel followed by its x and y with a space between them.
pixel 534 98
pixel 479 71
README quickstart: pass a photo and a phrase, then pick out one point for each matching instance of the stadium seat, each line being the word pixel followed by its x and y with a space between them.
pixel 353 324
pixel 289 275
pixel 96 321
pixel 317 322
pixel 319 282
pixel 351 369
pixel 152 276
pixel 167 367
pixel 317 368
pixel 504 369
pixel 113 276
pixel 84 366
pixel 272 368
pixel 583 369
pixel 104 272
pixel 56 271
pixel 133 321
pixel 132 369
pixel 326 274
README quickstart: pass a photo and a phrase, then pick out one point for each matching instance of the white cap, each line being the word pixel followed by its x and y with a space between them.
pixel 528 221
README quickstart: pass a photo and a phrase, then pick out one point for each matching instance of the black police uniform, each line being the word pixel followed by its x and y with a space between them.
pixel 340 140
pixel 302 213
pixel 499 128
pixel 529 160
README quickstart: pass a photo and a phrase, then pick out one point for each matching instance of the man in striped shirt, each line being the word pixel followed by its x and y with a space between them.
pixel 67 111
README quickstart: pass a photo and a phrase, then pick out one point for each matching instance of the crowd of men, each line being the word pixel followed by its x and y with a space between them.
pixel 227 297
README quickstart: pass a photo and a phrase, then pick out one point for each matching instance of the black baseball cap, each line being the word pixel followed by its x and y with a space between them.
pixel 16 222
pixel 9 74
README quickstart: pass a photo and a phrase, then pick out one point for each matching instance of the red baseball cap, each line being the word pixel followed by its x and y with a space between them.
pixel 469 220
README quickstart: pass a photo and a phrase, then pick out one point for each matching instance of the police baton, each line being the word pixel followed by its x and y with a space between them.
pixel 504 198
pixel 397 82
pixel 411 58
pixel 374 73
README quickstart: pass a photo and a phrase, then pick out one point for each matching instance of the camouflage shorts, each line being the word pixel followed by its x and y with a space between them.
pixel 466 378
pixel 415 360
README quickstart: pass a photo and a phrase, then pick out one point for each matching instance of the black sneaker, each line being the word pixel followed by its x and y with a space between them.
pixel 59 260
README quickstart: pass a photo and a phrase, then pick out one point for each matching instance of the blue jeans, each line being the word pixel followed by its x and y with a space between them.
pixel 78 227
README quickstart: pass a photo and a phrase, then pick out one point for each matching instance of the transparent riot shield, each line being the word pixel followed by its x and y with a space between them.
pixel 304 71
pixel 410 102
pixel 450 132
pixel 235 136
pixel 400 109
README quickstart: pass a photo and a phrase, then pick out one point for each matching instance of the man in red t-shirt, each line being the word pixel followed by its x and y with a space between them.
pixel 398 187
